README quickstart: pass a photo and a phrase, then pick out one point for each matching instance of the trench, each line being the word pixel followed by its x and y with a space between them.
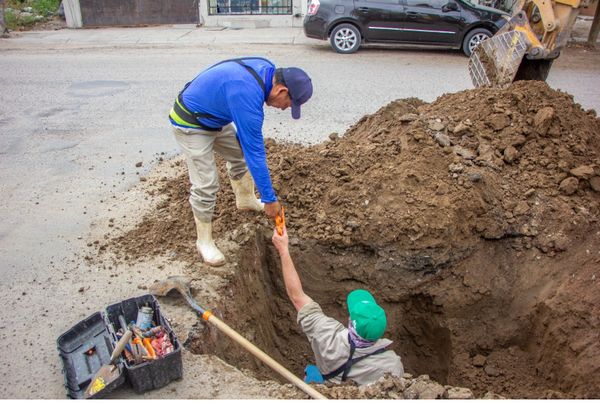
pixel 440 318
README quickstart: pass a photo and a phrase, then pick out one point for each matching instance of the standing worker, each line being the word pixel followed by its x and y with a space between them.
pixel 203 117
pixel 358 352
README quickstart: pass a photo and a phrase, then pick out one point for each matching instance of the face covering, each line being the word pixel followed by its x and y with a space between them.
pixel 358 341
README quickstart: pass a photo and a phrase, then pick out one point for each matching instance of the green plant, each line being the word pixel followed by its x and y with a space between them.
pixel 10 20
pixel 44 8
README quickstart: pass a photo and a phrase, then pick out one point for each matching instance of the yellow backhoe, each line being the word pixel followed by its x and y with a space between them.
pixel 525 47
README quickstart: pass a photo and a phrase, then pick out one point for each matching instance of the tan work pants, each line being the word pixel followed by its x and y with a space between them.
pixel 197 145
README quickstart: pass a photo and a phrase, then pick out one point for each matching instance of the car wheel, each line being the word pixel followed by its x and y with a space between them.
pixel 474 38
pixel 345 38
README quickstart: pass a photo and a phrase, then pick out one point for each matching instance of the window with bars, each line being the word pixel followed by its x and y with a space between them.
pixel 274 7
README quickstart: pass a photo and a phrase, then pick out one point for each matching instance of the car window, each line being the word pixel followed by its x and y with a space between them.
pixel 426 3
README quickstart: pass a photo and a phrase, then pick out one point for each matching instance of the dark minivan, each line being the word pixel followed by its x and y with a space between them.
pixel 456 24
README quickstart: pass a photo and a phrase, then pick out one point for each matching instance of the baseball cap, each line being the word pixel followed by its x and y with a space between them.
pixel 368 317
pixel 299 87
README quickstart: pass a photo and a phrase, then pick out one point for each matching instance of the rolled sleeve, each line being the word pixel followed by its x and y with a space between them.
pixel 326 336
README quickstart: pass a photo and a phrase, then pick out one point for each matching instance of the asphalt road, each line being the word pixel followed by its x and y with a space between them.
pixel 75 120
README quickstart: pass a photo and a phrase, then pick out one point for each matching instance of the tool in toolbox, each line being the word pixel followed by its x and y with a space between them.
pixel 181 285
pixel 108 373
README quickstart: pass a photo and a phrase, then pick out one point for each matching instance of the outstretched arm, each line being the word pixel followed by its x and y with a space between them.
pixel 293 286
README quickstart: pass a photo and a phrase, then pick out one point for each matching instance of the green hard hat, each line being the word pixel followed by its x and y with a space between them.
pixel 368 317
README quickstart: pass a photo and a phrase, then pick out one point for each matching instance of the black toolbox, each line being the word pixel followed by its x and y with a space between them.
pixel 88 345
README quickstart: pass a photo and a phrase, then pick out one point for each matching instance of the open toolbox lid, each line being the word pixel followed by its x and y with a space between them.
pixel 83 350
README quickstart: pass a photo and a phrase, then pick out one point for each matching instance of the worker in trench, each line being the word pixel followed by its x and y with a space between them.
pixel 357 352
pixel 221 110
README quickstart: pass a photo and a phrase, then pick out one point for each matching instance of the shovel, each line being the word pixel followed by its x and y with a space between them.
pixel 108 373
pixel 180 284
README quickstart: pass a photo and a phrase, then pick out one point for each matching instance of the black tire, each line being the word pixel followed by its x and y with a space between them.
pixel 345 38
pixel 473 38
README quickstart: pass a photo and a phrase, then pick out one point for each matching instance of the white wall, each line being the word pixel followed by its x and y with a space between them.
pixel 299 8
pixel 72 13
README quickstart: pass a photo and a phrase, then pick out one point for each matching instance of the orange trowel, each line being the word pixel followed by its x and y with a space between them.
pixel 280 221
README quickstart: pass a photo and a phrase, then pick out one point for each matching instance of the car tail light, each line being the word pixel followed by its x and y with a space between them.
pixel 313 7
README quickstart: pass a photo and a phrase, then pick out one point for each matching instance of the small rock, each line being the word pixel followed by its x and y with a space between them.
pixel 456 168
pixel 460 393
pixel 442 139
pixel 529 192
pixel 81 289
pixel 521 208
pixel 490 395
pixel 464 153
pixel 334 136
pixel 138 164
pixel 294 241
pixel 460 128
pixel 569 185
pixel 478 360
pixel 583 172
pixel 595 183
pixel 542 120
pixel 418 135
pixel 499 121
pixel 353 224
pixel 436 126
pixel 475 177
pixel 408 117
pixel 424 388
pixel 491 371
pixel 510 154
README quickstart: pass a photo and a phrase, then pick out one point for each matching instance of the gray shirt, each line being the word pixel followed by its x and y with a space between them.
pixel 329 341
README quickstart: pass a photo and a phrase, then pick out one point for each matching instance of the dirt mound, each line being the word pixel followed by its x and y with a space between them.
pixel 390 387
pixel 474 218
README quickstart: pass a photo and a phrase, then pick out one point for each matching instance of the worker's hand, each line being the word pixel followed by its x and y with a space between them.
pixel 272 209
pixel 281 242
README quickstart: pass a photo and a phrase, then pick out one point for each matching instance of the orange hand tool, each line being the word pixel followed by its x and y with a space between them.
pixel 280 222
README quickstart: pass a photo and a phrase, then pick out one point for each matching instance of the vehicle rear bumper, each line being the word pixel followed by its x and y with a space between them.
pixel 315 27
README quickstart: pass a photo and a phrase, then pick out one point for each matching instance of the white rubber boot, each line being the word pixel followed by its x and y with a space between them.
pixel 245 199
pixel 206 245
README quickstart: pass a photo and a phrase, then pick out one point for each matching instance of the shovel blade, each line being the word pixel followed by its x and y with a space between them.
pixel 179 283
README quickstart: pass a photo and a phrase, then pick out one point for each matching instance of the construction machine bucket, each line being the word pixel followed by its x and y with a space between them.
pixel 495 61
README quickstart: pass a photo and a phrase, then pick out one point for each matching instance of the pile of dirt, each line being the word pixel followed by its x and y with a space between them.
pixel 412 177
pixel 473 218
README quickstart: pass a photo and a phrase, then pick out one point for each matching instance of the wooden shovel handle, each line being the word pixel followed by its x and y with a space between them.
pixel 120 346
pixel 266 359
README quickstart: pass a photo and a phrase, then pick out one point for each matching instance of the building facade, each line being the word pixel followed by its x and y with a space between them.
pixel 209 13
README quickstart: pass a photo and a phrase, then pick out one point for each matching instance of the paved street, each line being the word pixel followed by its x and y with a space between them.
pixel 79 109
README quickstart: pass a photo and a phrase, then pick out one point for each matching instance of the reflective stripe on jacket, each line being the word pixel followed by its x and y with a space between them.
pixel 229 93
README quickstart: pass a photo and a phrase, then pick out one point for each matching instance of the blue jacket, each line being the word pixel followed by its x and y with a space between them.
pixel 230 93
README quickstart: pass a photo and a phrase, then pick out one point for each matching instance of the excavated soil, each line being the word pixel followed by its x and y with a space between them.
pixel 473 219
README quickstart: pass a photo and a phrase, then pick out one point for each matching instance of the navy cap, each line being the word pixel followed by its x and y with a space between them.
pixel 299 88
